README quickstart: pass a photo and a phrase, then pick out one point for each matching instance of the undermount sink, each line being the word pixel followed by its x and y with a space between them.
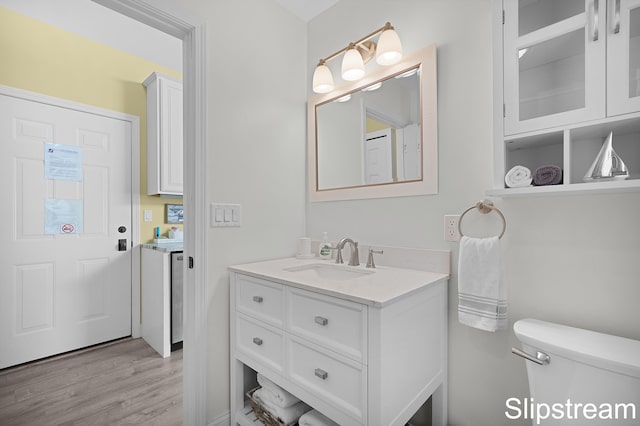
pixel 330 271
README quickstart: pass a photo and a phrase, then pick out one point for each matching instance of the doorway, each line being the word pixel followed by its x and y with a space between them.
pixel 192 32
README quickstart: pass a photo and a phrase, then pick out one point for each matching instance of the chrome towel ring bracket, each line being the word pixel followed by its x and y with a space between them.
pixel 484 207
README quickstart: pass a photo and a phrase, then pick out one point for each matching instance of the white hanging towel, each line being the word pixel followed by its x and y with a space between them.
pixel 482 295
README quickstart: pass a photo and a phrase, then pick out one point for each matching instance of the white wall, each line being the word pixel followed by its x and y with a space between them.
pixel 572 260
pixel 256 149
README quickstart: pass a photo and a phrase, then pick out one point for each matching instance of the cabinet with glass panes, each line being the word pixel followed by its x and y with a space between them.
pixel 567 74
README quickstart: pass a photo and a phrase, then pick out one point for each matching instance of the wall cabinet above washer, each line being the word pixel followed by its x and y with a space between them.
pixel 164 135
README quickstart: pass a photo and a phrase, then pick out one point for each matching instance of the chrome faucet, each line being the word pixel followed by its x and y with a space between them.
pixel 354 259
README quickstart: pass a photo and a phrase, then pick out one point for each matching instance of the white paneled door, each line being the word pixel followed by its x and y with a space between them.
pixel 378 160
pixel 65 276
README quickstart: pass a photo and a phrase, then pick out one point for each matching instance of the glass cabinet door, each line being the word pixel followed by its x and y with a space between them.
pixel 554 63
pixel 623 57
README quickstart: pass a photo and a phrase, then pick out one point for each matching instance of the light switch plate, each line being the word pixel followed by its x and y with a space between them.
pixel 148 216
pixel 226 215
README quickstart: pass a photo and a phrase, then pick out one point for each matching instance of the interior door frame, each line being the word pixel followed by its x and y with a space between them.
pixel 191 31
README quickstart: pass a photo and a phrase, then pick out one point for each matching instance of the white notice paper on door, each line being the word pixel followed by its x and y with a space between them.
pixel 62 216
pixel 62 162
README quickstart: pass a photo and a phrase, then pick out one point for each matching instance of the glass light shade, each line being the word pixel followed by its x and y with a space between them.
pixel 322 79
pixel 389 50
pixel 352 65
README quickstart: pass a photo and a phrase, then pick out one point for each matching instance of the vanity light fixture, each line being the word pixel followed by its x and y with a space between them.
pixel 388 51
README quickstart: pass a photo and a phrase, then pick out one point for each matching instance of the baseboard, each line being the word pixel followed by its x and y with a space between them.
pixel 223 420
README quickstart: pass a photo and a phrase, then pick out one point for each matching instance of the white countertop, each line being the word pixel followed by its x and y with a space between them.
pixel 165 247
pixel 382 287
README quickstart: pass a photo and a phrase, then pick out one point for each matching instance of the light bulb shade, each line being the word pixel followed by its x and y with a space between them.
pixel 322 79
pixel 352 65
pixel 389 50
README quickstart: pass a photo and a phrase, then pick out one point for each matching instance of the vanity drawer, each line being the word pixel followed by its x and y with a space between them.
pixel 335 379
pixel 261 342
pixel 260 299
pixel 337 324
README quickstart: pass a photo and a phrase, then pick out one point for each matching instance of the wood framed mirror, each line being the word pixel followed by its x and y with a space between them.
pixel 377 137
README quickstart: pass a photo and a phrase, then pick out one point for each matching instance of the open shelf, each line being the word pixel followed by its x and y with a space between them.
pixel 573 148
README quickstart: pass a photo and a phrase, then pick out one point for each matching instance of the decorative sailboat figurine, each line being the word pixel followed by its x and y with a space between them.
pixel 607 164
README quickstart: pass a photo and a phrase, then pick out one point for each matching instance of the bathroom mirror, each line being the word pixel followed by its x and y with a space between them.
pixel 376 137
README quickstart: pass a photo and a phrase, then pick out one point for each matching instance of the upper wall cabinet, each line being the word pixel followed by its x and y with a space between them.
pixel 569 61
pixel 567 73
pixel 164 135
pixel 623 57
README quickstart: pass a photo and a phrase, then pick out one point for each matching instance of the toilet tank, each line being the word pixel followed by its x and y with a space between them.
pixel 585 367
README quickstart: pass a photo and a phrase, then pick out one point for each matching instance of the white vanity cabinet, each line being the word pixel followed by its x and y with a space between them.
pixel 164 135
pixel 566 74
pixel 359 361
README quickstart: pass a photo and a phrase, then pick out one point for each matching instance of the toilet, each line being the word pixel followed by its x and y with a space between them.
pixel 576 376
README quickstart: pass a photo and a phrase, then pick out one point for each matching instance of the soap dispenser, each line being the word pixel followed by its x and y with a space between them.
pixel 324 249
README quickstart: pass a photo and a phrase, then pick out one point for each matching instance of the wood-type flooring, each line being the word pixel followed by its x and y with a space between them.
pixel 120 383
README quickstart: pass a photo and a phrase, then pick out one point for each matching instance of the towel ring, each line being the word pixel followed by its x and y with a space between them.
pixel 484 207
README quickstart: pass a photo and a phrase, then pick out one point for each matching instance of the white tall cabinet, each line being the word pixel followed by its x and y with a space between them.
pixel 566 74
pixel 164 135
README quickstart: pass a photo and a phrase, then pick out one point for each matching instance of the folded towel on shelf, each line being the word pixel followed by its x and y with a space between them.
pixel 482 295
pixel 518 177
pixel 315 418
pixel 276 395
pixel 547 175
pixel 288 415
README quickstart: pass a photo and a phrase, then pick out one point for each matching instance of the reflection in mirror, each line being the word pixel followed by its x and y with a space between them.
pixel 377 137
pixel 373 137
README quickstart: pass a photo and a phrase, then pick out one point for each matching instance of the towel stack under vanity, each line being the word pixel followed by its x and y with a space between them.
pixel 315 418
pixel 279 402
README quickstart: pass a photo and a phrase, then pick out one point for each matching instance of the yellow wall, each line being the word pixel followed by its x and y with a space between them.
pixel 374 125
pixel 41 58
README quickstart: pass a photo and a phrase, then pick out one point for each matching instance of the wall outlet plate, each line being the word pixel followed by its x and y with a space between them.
pixel 451 232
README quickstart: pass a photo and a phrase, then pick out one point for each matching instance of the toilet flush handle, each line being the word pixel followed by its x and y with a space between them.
pixel 541 358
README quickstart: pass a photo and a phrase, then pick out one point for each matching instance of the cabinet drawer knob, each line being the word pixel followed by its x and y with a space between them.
pixel 257 341
pixel 321 320
pixel 258 299
pixel 321 374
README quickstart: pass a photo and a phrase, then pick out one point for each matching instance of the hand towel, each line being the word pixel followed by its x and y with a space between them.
pixel 547 175
pixel 315 418
pixel 482 296
pixel 289 415
pixel 518 177
pixel 276 395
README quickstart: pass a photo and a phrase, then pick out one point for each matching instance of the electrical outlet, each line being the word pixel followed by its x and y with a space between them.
pixel 451 232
